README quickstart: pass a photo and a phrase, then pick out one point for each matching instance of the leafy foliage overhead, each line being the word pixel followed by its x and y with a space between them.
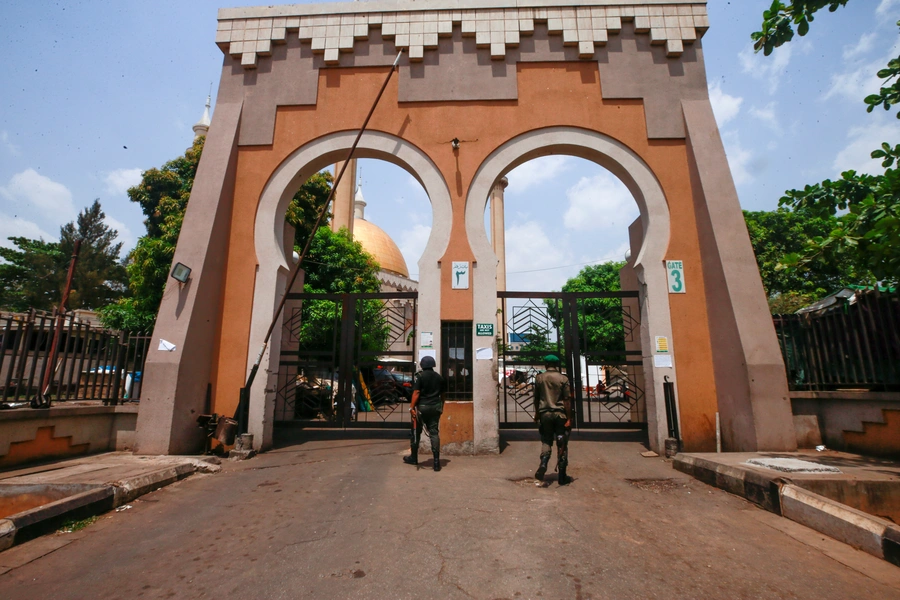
pixel 778 28
pixel 868 235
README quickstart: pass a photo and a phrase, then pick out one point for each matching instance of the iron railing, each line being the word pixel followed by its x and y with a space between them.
pixel 91 363
pixel 351 364
pixel 855 345
pixel 596 335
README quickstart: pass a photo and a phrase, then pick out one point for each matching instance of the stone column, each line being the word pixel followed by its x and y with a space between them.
pixel 498 242
pixel 342 206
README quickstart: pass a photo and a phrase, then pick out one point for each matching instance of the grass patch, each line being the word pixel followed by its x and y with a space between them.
pixel 72 525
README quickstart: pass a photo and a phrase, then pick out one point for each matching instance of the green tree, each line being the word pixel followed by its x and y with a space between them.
pixel 34 274
pixel 305 207
pixel 100 276
pixel 537 342
pixel 163 195
pixel 870 230
pixel 775 234
pixel 338 265
pixel 603 320
pixel 27 277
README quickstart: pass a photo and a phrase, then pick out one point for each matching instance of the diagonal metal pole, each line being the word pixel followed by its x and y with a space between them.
pixel 244 403
pixel 42 400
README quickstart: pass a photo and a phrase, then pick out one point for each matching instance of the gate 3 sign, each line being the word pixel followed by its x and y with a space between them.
pixel 675 273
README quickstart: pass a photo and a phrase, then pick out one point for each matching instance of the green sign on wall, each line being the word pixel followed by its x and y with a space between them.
pixel 484 329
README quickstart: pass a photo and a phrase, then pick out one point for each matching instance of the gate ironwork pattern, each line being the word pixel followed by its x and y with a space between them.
pixel 347 360
pixel 597 338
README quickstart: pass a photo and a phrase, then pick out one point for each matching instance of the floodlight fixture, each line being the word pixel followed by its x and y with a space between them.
pixel 181 272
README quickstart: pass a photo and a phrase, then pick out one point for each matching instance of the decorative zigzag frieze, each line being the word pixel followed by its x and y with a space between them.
pixel 672 25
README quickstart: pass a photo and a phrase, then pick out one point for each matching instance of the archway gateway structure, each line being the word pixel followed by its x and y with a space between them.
pixel 483 87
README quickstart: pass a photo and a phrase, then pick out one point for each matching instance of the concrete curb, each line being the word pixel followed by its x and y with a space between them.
pixel 740 482
pixel 127 490
pixel 32 523
pixel 7 534
pixel 871 534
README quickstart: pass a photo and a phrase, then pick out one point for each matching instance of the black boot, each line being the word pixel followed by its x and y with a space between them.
pixel 437 461
pixel 539 474
pixel 413 458
pixel 563 478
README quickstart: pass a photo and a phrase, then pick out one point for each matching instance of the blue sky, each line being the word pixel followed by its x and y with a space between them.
pixel 94 92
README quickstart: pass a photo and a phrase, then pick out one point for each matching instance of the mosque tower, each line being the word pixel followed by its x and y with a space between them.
pixel 201 127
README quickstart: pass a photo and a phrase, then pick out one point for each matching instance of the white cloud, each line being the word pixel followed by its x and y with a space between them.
pixel 739 159
pixel 863 46
pixel 118 181
pixel 885 6
pixel 536 172
pixel 725 107
pixel 528 250
pixel 17 227
pixel 598 203
pixel 124 233
pixel 766 68
pixel 10 147
pixel 40 196
pixel 767 115
pixel 856 154
pixel 861 78
pixel 412 245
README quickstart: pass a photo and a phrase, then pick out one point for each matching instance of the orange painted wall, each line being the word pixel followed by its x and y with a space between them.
pixel 550 94
pixel 457 423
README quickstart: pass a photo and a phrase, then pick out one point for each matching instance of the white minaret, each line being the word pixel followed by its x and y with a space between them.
pixel 202 126
pixel 359 204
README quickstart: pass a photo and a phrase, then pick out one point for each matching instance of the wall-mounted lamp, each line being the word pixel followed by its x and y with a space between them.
pixel 181 273
pixel 455 143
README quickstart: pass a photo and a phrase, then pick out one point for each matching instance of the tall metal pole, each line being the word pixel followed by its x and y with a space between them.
pixel 42 400
pixel 244 403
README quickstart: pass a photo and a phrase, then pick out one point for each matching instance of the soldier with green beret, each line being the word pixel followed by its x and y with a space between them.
pixel 553 413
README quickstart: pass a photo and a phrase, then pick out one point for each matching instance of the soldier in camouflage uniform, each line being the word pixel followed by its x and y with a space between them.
pixel 426 408
pixel 553 413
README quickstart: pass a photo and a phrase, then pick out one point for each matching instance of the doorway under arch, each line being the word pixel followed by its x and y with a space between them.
pixel 649 265
pixel 273 250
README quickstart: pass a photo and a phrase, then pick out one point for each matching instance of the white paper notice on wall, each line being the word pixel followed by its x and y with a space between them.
pixel 484 353
pixel 662 361
pixel 423 352
pixel 427 339
pixel 165 346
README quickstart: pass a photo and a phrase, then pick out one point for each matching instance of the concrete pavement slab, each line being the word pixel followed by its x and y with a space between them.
pixel 346 518
pixel 38 499
pixel 851 498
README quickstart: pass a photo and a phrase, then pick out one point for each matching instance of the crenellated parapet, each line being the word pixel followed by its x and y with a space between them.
pixel 332 29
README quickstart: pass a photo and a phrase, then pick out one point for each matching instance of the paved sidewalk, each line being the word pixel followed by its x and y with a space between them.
pixel 335 518
pixel 40 499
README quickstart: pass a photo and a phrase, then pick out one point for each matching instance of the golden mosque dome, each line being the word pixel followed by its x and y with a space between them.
pixel 380 245
pixel 375 240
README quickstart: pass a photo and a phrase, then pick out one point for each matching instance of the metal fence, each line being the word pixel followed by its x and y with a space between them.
pixel 90 363
pixel 855 345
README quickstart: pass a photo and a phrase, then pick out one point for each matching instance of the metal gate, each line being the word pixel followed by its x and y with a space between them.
pixel 596 335
pixel 347 360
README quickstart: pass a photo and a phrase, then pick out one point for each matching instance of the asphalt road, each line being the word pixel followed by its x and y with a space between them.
pixel 335 518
